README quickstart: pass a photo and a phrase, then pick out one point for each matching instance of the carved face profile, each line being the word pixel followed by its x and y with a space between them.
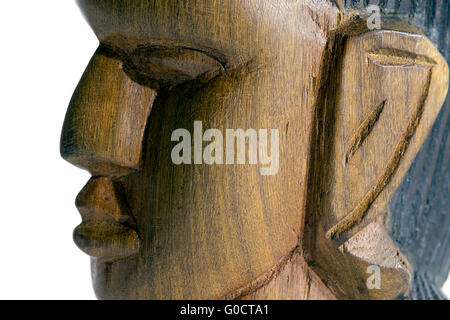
pixel 352 107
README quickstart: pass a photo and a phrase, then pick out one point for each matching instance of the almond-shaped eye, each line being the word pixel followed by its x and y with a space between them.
pixel 388 57
pixel 170 66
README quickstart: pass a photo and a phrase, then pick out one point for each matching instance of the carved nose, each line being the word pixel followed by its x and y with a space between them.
pixel 101 200
pixel 105 124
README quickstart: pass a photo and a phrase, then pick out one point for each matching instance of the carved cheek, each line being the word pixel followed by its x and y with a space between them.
pixel 106 120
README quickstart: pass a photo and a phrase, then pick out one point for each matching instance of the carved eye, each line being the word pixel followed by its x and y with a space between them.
pixel 388 57
pixel 171 66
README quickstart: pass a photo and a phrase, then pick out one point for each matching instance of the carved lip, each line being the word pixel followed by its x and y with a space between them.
pixel 106 240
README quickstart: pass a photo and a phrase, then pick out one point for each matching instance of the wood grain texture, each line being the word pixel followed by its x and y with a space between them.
pixel 352 107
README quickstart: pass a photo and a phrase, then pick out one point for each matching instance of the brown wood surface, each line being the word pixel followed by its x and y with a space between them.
pixel 353 107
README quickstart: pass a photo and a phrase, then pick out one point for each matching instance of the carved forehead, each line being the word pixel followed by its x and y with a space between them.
pixel 157 18
pixel 233 25
pixel 143 12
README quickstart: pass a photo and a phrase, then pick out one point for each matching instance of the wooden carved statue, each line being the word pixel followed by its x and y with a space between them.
pixel 264 149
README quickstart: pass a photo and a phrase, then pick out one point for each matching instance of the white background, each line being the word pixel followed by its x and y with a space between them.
pixel 44 49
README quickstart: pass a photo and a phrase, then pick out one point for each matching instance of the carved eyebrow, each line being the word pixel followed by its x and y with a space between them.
pixel 390 57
